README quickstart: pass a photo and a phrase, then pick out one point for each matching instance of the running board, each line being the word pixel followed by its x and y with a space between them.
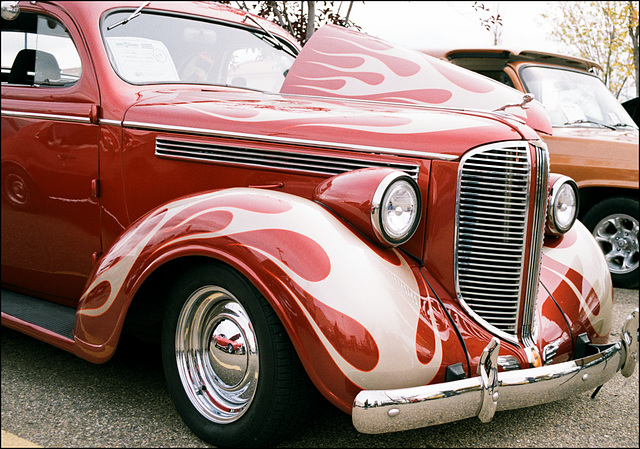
pixel 52 317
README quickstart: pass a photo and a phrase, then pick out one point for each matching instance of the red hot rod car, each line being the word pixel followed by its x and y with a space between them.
pixel 231 345
pixel 186 170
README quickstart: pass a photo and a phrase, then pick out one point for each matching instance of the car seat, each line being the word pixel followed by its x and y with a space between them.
pixel 43 65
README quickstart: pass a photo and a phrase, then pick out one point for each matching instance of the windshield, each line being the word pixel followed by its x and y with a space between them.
pixel 574 98
pixel 158 48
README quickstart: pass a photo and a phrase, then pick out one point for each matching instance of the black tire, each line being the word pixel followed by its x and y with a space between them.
pixel 614 224
pixel 265 397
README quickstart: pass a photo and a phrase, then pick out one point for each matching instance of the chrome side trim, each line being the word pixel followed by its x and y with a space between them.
pixel 43 116
pixel 381 411
pixel 288 141
pixel 272 158
pixel 110 122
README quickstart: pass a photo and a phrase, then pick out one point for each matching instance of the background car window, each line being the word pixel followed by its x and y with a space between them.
pixel 573 97
pixel 37 50
pixel 259 68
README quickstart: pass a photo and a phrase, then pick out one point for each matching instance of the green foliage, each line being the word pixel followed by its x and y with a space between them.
pixel 605 32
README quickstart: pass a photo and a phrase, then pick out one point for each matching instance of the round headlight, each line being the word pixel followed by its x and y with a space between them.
pixel 563 205
pixel 395 209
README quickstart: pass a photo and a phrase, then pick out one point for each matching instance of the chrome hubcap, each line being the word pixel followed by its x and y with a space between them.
pixel 617 235
pixel 217 354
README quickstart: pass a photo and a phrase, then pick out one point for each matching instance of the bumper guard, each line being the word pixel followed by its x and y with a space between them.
pixel 382 411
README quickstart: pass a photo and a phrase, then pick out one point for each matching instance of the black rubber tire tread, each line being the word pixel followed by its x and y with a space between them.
pixel 285 395
pixel 608 207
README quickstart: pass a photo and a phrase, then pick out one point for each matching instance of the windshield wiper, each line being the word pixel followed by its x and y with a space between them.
pixel 273 41
pixel 624 125
pixel 576 122
pixel 133 15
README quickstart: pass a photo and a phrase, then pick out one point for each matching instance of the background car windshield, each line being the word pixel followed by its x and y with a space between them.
pixel 157 48
pixel 572 97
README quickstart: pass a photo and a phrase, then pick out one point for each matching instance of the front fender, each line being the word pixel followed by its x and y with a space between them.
pixel 354 311
pixel 576 294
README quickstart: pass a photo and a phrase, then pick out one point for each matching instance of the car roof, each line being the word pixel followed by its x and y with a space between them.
pixel 93 9
pixel 494 56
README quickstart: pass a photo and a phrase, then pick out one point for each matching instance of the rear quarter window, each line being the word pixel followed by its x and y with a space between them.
pixel 37 50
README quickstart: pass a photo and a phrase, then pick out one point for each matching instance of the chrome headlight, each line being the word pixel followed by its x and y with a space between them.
pixel 384 204
pixel 563 206
pixel 395 209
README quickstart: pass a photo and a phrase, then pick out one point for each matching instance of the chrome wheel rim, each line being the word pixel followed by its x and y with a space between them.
pixel 617 235
pixel 219 384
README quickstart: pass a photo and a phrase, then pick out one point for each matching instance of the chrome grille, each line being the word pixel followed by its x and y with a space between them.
pixel 272 159
pixel 491 230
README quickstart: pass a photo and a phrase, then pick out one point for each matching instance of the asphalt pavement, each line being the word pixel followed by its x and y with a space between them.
pixel 51 398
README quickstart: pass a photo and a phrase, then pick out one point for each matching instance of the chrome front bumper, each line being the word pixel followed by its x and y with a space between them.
pixel 381 411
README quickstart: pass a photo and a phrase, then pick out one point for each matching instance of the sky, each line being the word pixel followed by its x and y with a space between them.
pixel 439 24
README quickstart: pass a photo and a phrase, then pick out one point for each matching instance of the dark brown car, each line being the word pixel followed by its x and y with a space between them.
pixel 594 141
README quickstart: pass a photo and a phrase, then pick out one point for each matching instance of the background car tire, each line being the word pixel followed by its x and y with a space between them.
pixel 614 224
pixel 273 397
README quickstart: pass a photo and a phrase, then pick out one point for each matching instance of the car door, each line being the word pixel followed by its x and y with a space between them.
pixel 50 205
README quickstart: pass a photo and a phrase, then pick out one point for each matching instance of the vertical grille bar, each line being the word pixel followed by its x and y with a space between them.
pixel 537 235
pixel 492 212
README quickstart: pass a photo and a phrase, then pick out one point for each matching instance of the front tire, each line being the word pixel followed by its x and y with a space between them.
pixel 614 224
pixel 249 398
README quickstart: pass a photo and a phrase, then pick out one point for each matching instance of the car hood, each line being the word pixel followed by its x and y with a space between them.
pixel 603 135
pixel 611 148
pixel 337 62
pixel 596 156
pixel 319 122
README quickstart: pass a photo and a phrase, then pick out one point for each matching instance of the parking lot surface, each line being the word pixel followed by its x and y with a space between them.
pixel 54 399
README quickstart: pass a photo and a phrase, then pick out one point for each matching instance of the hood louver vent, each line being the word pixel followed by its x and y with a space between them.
pixel 271 159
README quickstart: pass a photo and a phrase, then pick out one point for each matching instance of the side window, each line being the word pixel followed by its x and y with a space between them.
pixel 37 50
pixel 506 79
pixel 258 68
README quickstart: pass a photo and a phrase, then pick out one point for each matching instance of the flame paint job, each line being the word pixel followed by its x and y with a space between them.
pixel 312 262
pixel 312 120
pixel 337 62
pixel 572 269
pixel 317 262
